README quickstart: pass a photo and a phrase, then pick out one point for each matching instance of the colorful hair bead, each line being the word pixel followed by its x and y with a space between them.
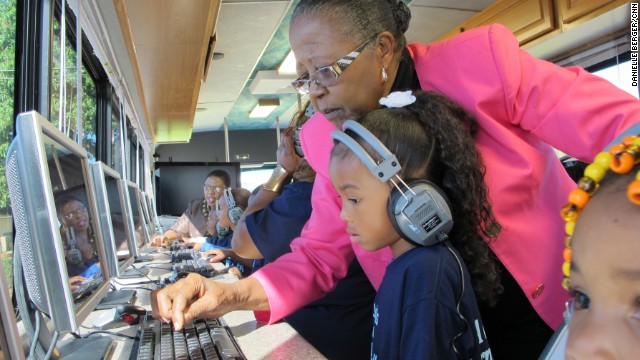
pixel 620 158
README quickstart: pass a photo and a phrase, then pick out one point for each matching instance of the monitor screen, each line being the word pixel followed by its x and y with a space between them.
pixel 57 227
pixel 136 216
pixel 109 195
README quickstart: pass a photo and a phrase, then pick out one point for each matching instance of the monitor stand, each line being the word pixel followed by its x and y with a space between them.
pixel 97 348
pixel 116 298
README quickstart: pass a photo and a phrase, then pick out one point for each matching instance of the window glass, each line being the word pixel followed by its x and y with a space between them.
pixel 254 177
pixel 116 134
pixel 131 156
pixel 7 75
pixel 141 183
pixel 620 75
pixel 68 107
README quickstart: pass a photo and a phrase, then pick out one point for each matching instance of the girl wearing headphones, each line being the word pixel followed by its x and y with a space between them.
pixel 232 205
pixel 428 202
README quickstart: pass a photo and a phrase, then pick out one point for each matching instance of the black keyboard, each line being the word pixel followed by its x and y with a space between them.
pixel 184 254
pixel 200 266
pixel 87 286
pixel 203 339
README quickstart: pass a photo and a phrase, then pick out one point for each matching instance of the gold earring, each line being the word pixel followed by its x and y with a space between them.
pixel 384 75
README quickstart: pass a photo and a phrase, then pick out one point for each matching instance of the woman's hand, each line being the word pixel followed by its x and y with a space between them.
pixel 218 255
pixel 286 153
pixel 191 298
pixel 75 281
pixel 196 297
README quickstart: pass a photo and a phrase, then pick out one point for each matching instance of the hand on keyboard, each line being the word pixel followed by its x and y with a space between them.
pixel 85 287
pixel 216 255
pixel 75 281
pixel 196 297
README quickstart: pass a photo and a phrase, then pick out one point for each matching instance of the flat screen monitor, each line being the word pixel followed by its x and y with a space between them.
pixel 181 182
pixel 136 217
pixel 142 200
pixel 110 194
pixel 151 206
pixel 56 220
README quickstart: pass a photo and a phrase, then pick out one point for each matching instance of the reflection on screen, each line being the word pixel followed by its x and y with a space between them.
pixel 75 219
pixel 135 212
pixel 117 219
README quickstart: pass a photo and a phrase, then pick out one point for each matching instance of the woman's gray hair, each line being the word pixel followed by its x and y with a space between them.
pixel 361 19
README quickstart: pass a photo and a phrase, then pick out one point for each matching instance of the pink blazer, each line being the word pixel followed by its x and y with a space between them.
pixel 523 105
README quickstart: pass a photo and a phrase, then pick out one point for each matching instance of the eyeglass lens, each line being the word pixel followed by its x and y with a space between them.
pixel 208 188
pixel 75 213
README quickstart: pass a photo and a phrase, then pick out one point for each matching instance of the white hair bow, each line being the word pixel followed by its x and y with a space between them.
pixel 398 99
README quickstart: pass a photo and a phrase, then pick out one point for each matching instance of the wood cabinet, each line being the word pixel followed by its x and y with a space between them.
pixel 527 19
pixel 572 11
pixel 536 20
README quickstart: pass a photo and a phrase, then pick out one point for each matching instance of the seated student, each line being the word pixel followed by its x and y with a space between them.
pixel 232 206
pixel 426 203
pixel 193 222
pixel 265 231
pixel 81 252
pixel 602 271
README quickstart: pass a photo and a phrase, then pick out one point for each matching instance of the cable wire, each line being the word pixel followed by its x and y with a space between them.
pixel 54 340
pixel 34 341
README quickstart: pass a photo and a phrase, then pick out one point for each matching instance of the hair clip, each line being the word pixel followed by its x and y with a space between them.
pixel 398 99
pixel 620 159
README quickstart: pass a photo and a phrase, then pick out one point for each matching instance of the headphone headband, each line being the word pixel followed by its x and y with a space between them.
pixel 387 168
pixel 228 197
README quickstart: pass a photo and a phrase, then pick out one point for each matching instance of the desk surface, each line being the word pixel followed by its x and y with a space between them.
pixel 258 341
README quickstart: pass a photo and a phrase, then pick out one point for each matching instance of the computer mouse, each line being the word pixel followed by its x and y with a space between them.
pixel 119 316
pixel 130 314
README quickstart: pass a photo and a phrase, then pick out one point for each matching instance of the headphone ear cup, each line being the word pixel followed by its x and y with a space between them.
pixel 235 214
pixel 421 216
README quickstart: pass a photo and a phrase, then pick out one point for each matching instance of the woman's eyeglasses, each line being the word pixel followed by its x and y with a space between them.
pixel 209 189
pixel 328 75
pixel 75 213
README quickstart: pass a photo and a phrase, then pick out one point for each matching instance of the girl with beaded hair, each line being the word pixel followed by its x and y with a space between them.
pixel 601 268
pixel 425 307
pixel 350 54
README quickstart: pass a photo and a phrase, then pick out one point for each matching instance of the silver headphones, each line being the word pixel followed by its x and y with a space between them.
pixel 420 213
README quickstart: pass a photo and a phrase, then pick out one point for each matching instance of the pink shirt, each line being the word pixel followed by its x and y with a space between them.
pixel 523 105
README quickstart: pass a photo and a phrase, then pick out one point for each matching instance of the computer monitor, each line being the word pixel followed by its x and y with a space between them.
pixel 151 206
pixel 56 220
pixel 142 200
pixel 136 217
pixel 110 194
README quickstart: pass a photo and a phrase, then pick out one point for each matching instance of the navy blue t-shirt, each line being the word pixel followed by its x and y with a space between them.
pixel 338 325
pixel 415 314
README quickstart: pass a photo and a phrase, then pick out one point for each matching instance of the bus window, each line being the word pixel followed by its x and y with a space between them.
pixel 70 104
pixel 7 76
pixel 619 75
